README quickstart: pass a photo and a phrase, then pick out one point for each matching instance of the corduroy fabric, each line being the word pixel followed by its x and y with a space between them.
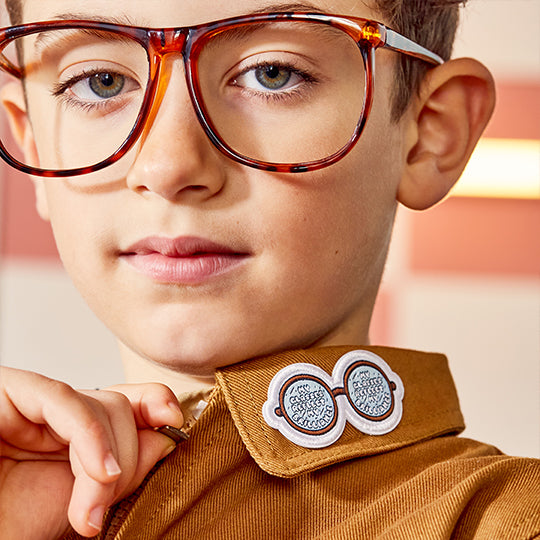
pixel 237 478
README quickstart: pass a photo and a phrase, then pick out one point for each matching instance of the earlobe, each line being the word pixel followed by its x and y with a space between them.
pixel 14 104
pixel 42 206
pixel 446 120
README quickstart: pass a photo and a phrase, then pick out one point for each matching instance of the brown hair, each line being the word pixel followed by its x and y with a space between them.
pixel 431 23
pixel 14 8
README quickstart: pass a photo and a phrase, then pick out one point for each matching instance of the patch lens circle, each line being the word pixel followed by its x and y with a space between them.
pixel 369 391
pixel 308 405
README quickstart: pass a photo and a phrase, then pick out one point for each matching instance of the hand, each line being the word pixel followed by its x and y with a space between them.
pixel 67 455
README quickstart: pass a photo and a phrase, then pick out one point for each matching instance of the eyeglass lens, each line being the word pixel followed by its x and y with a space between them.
pixel 278 92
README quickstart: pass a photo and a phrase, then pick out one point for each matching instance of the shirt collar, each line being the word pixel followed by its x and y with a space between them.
pixel 430 407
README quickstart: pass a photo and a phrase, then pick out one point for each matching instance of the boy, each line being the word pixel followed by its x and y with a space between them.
pixel 244 288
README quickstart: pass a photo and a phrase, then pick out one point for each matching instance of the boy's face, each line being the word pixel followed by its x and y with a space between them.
pixel 304 252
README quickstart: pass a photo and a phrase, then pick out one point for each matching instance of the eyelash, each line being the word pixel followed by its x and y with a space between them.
pixel 277 95
pixel 59 91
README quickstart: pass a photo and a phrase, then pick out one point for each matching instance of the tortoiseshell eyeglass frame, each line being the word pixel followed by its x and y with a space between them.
pixel 189 42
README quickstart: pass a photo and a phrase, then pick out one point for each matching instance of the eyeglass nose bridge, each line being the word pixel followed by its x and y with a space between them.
pixel 167 41
pixel 161 43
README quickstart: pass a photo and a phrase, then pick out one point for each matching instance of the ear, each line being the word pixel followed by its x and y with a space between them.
pixel 454 105
pixel 14 103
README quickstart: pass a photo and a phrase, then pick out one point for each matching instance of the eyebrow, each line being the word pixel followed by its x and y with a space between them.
pixel 289 7
pixel 42 38
pixel 125 19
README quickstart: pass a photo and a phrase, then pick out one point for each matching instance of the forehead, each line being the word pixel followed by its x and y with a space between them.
pixel 175 13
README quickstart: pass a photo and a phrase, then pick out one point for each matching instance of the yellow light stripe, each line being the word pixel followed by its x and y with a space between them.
pixel 502 168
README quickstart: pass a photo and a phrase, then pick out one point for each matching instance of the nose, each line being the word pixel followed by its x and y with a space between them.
pixel 176 160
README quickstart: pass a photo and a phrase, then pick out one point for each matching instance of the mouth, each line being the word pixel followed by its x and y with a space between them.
pixel 183 260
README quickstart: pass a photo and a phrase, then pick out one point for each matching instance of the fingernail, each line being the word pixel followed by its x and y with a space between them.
pixel 167 451
pixel 95 517
pixel 111 465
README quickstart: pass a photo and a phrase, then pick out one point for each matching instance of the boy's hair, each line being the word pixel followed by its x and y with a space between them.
pixel 431 23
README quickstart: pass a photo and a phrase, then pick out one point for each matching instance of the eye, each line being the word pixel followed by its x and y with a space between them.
pixel 271 77
pixel 95 86
pixel 104 85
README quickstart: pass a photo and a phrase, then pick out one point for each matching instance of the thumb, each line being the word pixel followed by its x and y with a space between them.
pixel 153 404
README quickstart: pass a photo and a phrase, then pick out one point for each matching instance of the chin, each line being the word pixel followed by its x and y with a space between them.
pixel 194 360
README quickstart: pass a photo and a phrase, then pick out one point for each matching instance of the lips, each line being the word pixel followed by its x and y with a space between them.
pixel 183 260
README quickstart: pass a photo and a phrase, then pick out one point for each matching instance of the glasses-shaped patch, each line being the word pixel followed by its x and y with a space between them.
pixel 287 92
pixel 311 408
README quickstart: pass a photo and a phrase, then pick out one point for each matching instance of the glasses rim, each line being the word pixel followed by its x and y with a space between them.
pixel 368 34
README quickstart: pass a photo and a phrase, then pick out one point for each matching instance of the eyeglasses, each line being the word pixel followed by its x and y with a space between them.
pixel 285 92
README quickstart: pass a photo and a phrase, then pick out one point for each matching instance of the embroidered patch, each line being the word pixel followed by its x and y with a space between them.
pixel 310 408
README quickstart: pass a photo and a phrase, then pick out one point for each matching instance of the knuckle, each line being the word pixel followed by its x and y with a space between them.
pixel 95 429
pixel 110 399
pixel 119 403
pixel 61 390
pixel 117 399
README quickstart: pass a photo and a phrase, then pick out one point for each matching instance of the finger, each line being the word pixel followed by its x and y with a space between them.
pixel 89 502
pixel 153 447
pixel 90 499
pixel 23 514
pixel 153 404
pixel 15 428
pixel 118 410
pixel 14 452
pixel 69 417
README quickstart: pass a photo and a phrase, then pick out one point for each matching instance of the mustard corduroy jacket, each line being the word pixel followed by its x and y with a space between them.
pixel 237 477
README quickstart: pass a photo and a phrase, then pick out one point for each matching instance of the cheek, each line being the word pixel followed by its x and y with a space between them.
pixel 78 222
pixel 350 202
pixel 336 223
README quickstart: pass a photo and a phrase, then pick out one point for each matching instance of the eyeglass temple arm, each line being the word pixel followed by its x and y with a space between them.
pixel 399 43
pixel 8 67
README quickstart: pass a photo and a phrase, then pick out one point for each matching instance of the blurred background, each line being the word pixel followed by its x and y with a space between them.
pixel 462 278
